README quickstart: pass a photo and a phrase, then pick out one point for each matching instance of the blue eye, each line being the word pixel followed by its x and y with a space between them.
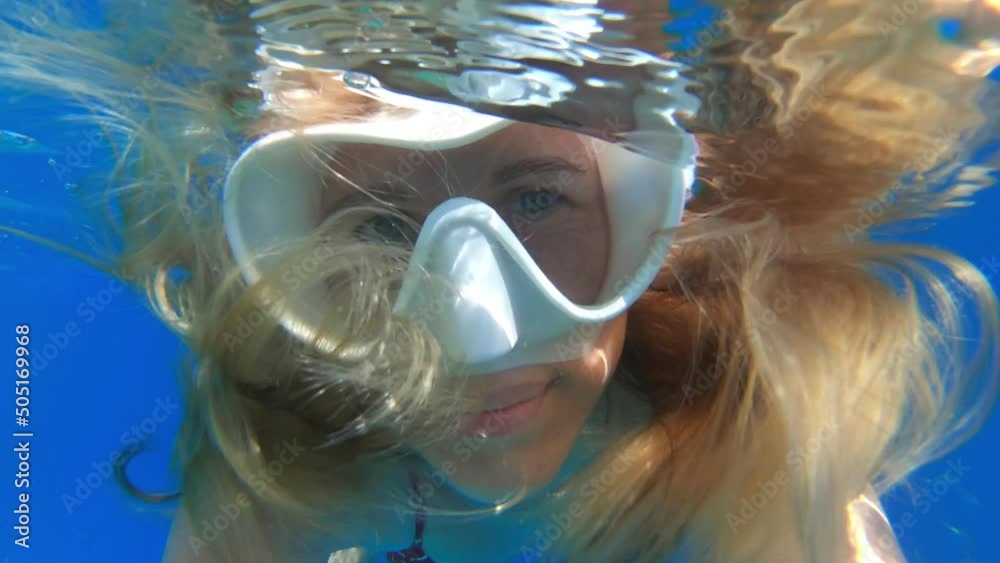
pixel 387 229
pixel 534 203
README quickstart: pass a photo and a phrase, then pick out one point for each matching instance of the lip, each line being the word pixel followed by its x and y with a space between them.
pixel 509 396
pixel 507 410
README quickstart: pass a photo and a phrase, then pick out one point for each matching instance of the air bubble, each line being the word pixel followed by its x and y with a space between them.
pixel 357 80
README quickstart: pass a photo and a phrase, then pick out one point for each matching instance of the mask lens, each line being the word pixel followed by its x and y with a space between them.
pixel 566 232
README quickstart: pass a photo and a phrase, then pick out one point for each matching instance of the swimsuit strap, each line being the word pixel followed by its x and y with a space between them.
pixel 414 553
pixel 418 536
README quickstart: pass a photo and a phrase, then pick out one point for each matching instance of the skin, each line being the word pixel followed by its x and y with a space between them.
pixel 499 469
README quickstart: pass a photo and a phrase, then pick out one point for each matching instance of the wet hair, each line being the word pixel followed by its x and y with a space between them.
pixel 788 340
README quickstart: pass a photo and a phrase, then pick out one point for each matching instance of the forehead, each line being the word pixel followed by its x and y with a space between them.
pixel 519 141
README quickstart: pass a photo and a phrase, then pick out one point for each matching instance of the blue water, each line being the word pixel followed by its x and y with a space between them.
pixel 109 380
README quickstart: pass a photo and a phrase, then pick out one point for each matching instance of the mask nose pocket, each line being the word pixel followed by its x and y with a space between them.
pixel 476 288
pixel 459 292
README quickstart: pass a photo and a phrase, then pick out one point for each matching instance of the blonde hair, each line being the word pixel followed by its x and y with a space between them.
pixel 777 322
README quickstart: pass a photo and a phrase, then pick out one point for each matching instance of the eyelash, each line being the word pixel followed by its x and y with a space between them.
pixel 401 233
pixel 520 194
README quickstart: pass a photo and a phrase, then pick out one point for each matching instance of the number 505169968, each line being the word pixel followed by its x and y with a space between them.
pixel 22 365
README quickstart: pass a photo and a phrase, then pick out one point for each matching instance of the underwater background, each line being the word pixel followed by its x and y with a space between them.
pixel 104 370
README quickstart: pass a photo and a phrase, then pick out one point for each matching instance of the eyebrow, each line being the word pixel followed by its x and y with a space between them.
pixel 531 167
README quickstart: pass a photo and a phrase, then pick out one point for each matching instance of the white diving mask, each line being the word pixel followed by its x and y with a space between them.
pixel 526 285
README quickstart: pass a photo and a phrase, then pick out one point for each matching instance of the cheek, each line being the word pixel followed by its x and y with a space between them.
pixel 575 257
pixel 588 375
pixel 579 391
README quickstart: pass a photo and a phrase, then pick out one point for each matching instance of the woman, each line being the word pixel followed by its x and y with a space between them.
pixel 453 349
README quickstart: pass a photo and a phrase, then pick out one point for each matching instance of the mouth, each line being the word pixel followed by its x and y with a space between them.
pixel 506 410
pixel 505 398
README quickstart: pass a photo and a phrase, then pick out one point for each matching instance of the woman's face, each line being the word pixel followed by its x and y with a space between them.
pixel 492 467
pixel 546 185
